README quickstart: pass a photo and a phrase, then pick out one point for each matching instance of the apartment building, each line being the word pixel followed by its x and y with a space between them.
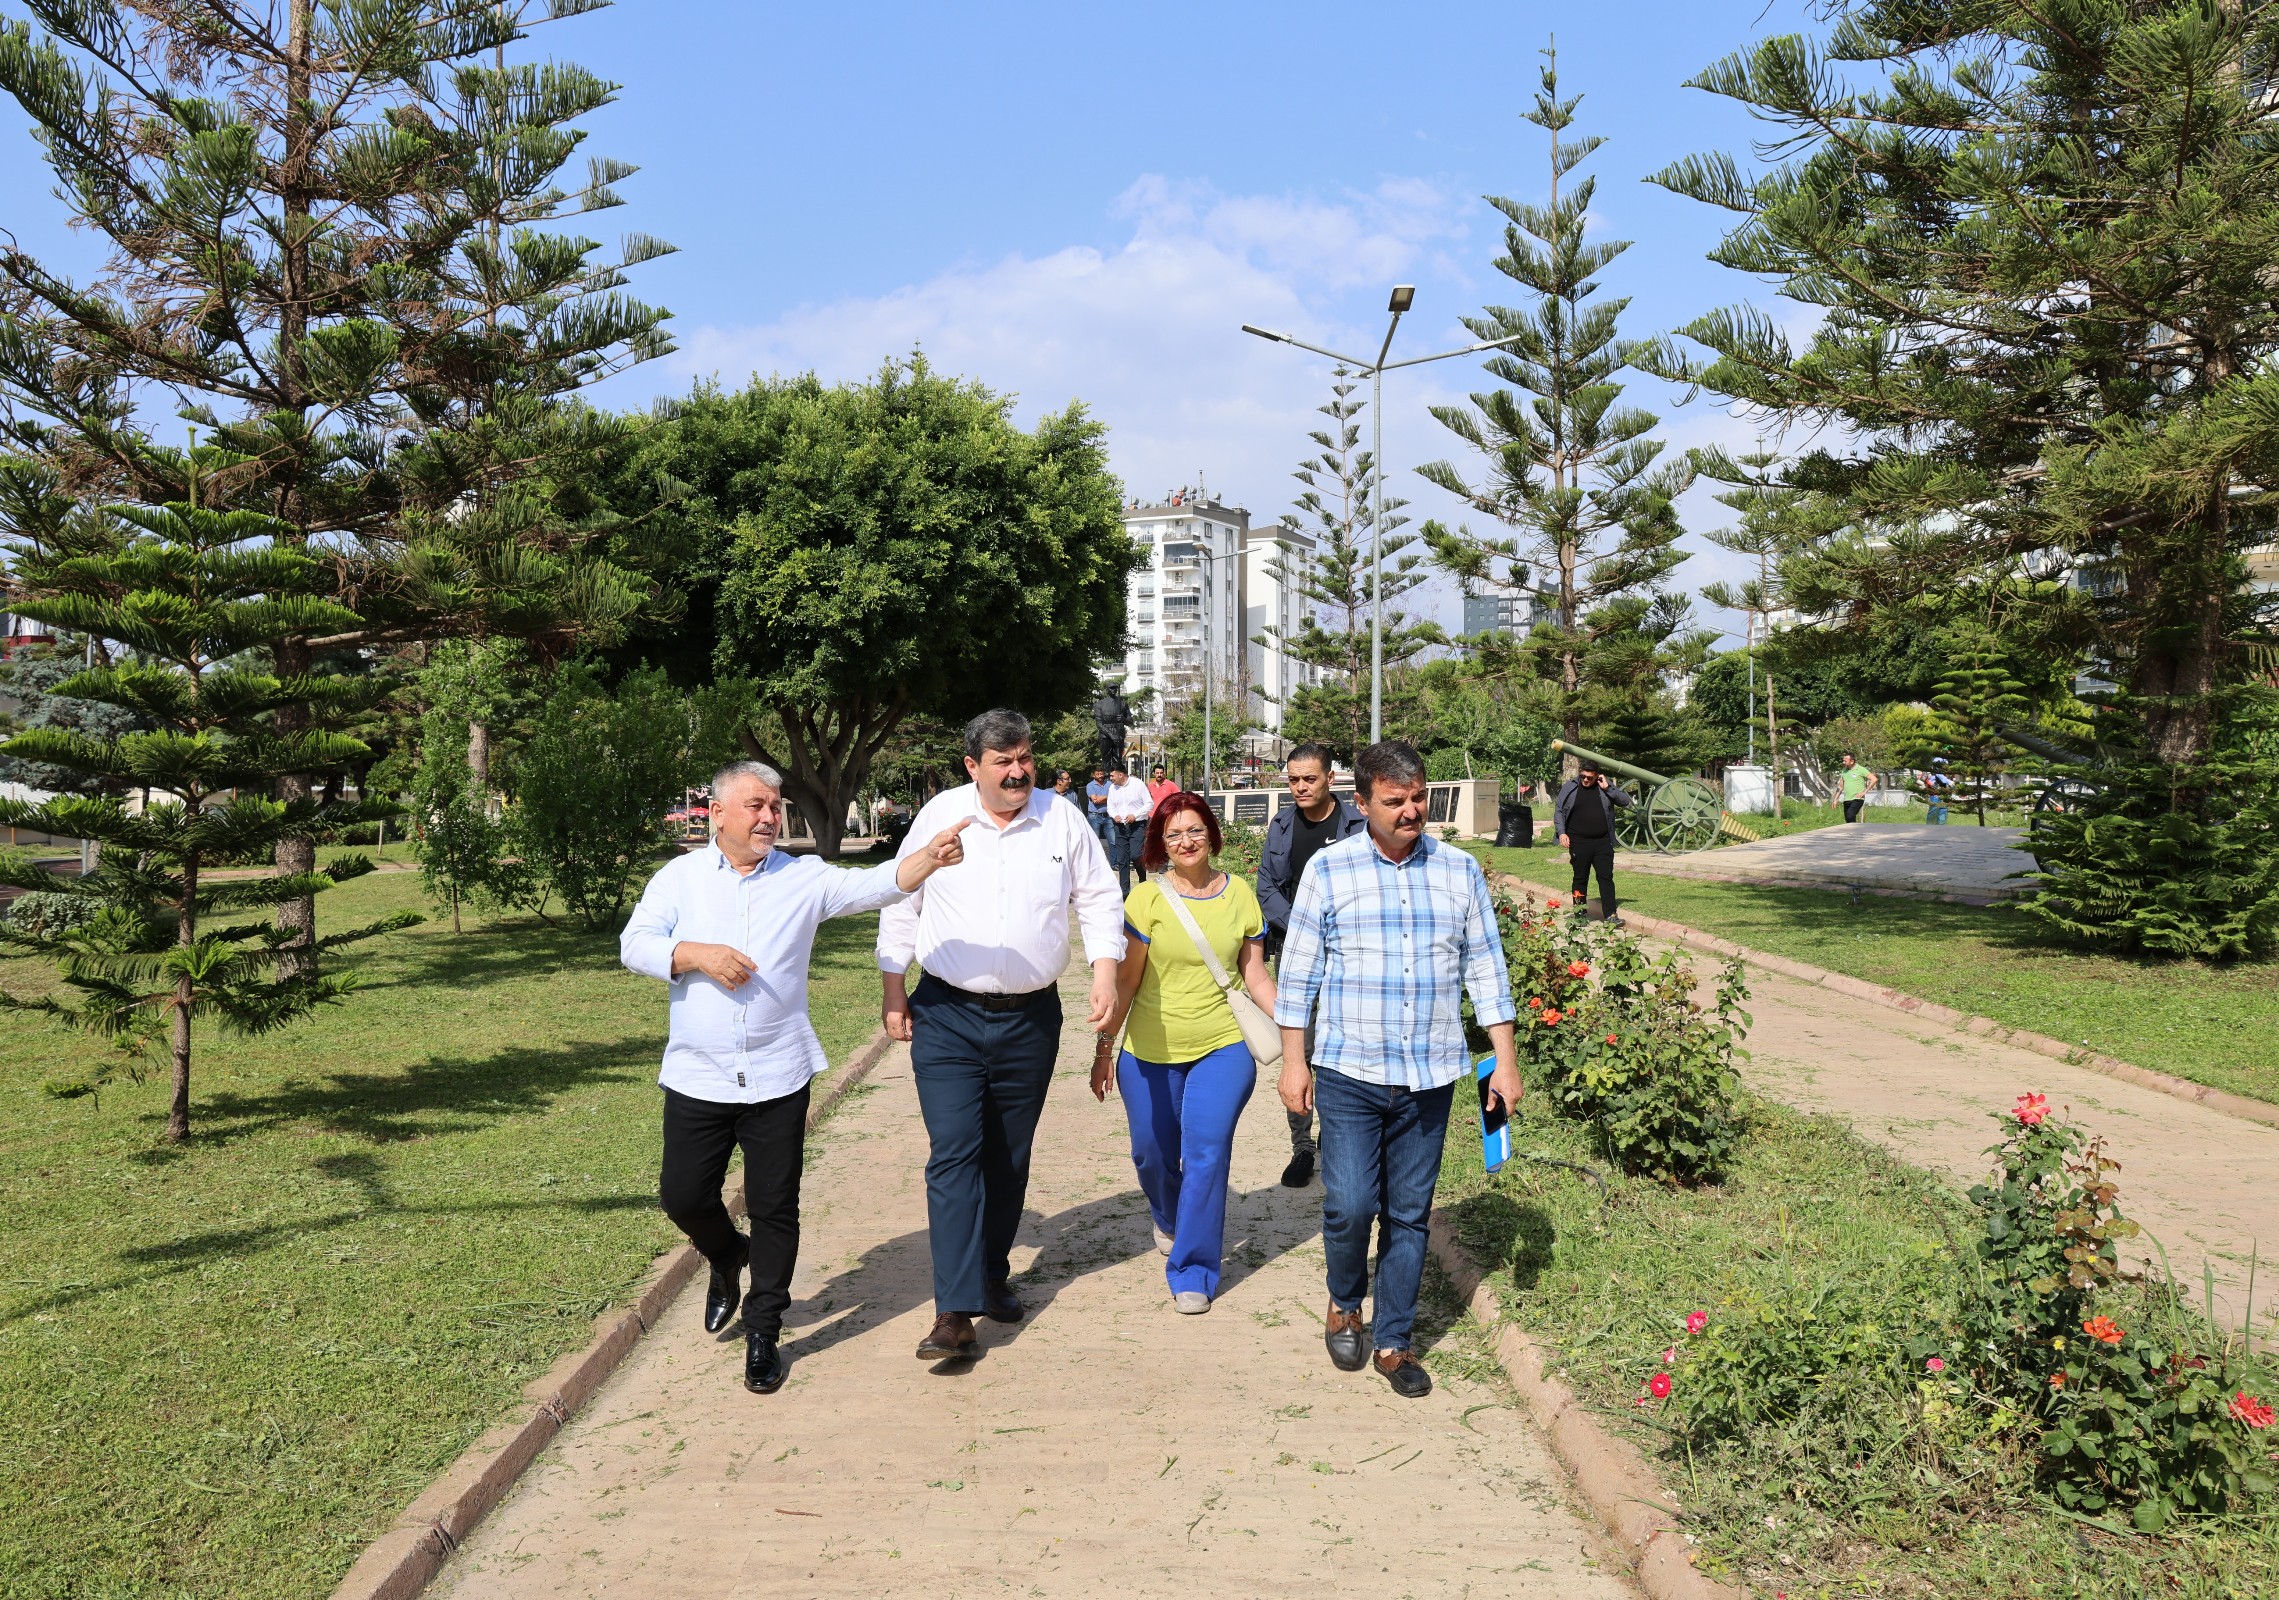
pixel 1273 563
pixel 1184 608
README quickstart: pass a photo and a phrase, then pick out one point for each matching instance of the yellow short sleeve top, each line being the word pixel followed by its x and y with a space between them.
pixel 1179 1015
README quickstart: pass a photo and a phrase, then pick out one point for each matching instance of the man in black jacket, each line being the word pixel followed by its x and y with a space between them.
pixel 1314 818
pixel 1583 818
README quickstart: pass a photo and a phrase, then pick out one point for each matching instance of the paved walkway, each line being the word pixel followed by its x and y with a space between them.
pixel 2206 1185
pixel 1104 1446
pixel 1964 861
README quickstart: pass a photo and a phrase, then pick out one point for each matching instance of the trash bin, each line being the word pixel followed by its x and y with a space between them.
pixel 1515 825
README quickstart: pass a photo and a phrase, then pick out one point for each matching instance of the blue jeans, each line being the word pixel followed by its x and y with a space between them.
pixel 1124 853
pixel 1938 812
pixel 1380 1161
pixel 1103 830
pixel 1182 1118
pixel 981 1078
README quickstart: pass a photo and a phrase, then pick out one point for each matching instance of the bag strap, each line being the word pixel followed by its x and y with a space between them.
pixel 1202 945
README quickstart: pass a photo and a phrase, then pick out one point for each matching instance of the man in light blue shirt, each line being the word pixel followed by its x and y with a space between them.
pixel 1391 929
pixel 731 928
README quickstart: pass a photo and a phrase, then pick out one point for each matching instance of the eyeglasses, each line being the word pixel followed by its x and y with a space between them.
pixel 1187 836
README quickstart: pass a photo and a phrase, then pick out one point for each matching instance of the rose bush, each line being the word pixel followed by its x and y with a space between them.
pixel 1617 1039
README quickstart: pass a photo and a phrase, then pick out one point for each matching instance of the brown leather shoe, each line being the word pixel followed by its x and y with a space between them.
pixel 1348 1345
pixel 1405 1373
pixel 951 1340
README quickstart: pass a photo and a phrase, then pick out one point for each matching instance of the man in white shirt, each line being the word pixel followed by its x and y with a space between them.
pixel 1129 806
pixel 731 927
pixel 983 1023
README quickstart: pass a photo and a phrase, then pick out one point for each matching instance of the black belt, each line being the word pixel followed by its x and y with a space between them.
pixel 994 1002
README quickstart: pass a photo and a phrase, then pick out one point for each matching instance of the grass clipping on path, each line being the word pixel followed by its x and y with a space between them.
pixel 2217 1025
pixel 226 1366
pixel 1805 1204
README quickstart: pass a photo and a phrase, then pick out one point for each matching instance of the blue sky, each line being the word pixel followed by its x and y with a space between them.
pixel 1087 201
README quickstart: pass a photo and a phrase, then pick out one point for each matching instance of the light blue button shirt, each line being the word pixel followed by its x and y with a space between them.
pixel 754 1043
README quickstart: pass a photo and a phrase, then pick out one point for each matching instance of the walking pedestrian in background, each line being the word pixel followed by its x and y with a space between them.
pixel 1315 817
pixel 1583 819
pixel 1129 805
pixel 1391 930
pixel 731 928
pixel 1159 789
pixel 1857 782
pixel 984 1022
pixel 1096 810
pixel 1185 1071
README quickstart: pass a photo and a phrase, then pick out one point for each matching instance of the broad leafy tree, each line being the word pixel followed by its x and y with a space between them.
pixel 864 553
pixel 2040 241
pixel 199 597
pixel 330 236
pixel 1584 507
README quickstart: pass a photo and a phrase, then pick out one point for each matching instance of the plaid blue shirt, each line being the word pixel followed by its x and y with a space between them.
pixel 1387 945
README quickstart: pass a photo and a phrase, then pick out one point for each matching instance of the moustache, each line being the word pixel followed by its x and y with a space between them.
pixel 1016 782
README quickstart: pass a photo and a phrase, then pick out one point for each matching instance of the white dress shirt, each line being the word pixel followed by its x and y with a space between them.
pixel 997 922
pixel 754 1043
pixel 1129 801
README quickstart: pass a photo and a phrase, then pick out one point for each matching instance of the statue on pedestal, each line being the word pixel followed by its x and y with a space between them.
pixel 1113 719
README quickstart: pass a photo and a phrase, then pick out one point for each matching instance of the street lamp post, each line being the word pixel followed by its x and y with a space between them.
pixel 1403 297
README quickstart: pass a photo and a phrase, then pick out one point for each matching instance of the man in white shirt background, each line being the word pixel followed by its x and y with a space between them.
pixel 1129 806
pixel 983 1022
pixel 731 928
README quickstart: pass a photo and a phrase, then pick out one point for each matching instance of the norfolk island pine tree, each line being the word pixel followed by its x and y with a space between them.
pixel 200 599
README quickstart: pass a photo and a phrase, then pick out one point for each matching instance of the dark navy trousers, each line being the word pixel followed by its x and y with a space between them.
pixel 981 1077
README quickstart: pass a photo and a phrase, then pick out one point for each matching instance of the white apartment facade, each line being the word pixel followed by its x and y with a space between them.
pixel 1208 588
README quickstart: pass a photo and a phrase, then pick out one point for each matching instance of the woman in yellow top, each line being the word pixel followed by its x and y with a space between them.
pixel 1185 1073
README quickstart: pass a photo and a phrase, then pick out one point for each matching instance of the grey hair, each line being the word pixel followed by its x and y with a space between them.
pixel 747 769
pixel 1387 761
pixel 995 730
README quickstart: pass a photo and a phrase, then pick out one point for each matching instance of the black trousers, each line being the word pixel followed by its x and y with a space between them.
pixel 981 1077
pixel 1852 808
pixel 1586 853
pixel 699 1137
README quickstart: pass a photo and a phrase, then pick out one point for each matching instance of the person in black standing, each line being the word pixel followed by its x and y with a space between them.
pixel 1314 818
pixel 1583 818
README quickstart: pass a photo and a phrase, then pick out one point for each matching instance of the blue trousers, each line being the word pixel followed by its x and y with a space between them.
pixel 1182 1118
pixel 1130 839
pixel 1380 1160
pixel 981 1077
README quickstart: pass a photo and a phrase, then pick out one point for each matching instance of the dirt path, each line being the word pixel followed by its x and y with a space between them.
pixel 2205 1184
pixel 1104 1446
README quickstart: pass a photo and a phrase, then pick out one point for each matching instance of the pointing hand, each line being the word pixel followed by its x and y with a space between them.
pixel 947 848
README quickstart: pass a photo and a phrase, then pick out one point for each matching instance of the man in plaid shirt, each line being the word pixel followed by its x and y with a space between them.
pixel 1391 928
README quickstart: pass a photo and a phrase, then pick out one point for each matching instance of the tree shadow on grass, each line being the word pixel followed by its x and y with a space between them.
pixel 441 1095
pixel 488 953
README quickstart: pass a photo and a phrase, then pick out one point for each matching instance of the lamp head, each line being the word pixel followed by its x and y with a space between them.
pixel 1404 296
pixel 1266 333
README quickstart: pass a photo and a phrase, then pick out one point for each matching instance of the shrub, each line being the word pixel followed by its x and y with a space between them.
pixel 42 914
pixel 592 786
pixel 1615 1039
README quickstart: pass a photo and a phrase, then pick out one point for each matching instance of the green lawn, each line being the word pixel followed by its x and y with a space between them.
pixel 1806 1204
pixel 2210 1024
pixel 225 1367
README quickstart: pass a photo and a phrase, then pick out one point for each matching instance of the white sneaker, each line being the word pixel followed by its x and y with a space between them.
pixel 1190 1302
pixel 1162 1240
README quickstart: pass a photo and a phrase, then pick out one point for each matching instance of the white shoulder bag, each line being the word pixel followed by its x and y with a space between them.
pixel 1258 1029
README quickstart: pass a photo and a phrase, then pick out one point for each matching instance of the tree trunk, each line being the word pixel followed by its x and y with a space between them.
pixel 479 759
pixel 1772 737
pixel 296 919
pixel 186 933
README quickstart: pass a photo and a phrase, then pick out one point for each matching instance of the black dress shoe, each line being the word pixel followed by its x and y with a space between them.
pixel 1300 1171
pixel 1348 1344
pixel 1405 1373
pixel 764 1366
pixel 1002 1304
pixel 722 1298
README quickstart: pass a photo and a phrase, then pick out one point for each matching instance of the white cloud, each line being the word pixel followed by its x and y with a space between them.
pixel 1147 333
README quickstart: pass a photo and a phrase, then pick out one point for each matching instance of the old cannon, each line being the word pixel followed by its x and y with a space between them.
pixel 1673 815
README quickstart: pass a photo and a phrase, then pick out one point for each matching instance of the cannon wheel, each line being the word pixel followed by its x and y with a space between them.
pixel 1632 830
pixel 2062 794
pixel 1684 814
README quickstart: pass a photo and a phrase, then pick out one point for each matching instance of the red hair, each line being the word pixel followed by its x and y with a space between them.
pixel 1155 856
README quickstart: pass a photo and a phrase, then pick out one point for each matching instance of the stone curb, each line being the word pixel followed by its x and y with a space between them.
pixel 2041 1044
pixel 400 1563
pixel 1610 1472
